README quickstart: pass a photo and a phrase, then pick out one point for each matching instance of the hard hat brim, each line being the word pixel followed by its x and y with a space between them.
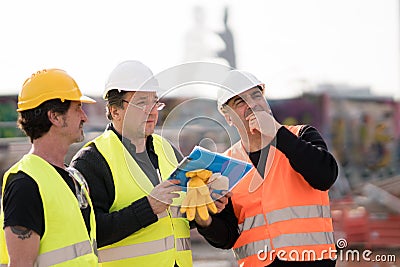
pixel 86 99
pixel 226 97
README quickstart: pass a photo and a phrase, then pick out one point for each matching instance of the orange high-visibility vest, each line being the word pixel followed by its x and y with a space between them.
pixel 284 217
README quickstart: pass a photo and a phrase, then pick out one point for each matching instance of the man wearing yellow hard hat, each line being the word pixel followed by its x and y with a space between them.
pixel 279 213
pixel 47 214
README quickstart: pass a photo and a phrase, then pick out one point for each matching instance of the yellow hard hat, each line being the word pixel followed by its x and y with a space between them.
pixel 49 84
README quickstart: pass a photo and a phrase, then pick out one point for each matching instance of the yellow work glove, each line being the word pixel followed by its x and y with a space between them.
pixel 198 197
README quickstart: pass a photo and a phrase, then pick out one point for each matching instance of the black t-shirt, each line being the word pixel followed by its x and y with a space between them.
pixel 23 204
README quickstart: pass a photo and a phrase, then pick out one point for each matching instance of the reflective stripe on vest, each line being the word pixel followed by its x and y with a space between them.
pixel 182 244
pixel 63 254
pixel 142 249
pixel 300 239
pixel 298 212
pixel 252 249
pixel 252 222
pixel 136 250
pixel 286 240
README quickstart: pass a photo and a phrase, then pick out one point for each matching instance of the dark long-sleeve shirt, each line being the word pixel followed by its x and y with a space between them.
pixel 307 154
pixel 115 226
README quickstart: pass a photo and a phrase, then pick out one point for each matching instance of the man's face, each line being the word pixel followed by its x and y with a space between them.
pixel 241 106
pixel 141 113
pixel 73 122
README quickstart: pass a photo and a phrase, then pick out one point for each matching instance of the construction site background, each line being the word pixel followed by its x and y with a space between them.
pixel 361 130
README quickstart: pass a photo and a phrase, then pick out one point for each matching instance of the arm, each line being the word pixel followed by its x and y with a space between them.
pixel 22 246
pixel 23 219
pixel 308 155
pixel 222 231
pixel 111 226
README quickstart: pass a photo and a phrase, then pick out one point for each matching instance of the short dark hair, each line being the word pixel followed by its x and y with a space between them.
pixel 35 122
pixel 114 99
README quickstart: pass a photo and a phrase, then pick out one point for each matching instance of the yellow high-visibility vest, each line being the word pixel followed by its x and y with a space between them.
pixel 160 244
pixel 65 241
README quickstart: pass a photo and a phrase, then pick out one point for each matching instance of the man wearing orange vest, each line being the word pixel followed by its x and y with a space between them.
pixel 279 214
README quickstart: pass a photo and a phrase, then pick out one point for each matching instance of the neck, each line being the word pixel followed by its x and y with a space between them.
pixel 138 141
pixel 253 142
pixel 50 149
pixel 140 144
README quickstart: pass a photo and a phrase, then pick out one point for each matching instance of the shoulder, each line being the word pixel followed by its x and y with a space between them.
pixel 87 153
pixel 308 132
pixel 307 129
pixel 20 183
pixel 20 178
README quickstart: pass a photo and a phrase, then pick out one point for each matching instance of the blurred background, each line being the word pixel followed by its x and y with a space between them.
pixel 333 64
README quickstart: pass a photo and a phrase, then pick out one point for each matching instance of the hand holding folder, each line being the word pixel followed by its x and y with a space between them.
pixel 201 158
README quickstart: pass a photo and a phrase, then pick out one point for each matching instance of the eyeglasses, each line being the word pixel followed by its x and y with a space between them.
pixel 80 189
pixel 146 106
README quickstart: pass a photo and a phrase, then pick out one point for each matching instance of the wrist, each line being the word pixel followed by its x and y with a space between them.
pixel 202 223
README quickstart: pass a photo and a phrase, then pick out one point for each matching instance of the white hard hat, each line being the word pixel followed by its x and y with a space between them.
pixel 131 75
pixel 235 83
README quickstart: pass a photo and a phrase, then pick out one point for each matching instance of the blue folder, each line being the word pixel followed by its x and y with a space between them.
pixel 201 158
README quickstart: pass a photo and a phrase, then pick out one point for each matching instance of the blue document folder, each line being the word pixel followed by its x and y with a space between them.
pixel 201 158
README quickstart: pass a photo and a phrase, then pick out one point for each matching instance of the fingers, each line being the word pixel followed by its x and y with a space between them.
pixel 203 212
pixel 253 123
pixel 201 173
pixel 198 202
pixel 263 122
pixel 211 206
pixel 221 200
pixel 191 210
pixel 190 213
pixel 161 197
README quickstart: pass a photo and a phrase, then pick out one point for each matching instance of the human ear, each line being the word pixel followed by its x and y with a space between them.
pixel 53 117
pixel 228 119
pixel 115 113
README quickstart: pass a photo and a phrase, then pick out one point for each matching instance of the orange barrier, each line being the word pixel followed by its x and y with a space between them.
pixel 383 230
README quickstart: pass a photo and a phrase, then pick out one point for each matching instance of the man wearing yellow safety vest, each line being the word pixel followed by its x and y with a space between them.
pixel 281 207
pixel 47 214
pixel 137 211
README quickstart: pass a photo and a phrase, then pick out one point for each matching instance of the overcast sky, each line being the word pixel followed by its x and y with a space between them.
pixel 289 44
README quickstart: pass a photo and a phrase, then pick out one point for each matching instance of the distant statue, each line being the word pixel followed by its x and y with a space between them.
pixel 229 52
pixel 202 43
